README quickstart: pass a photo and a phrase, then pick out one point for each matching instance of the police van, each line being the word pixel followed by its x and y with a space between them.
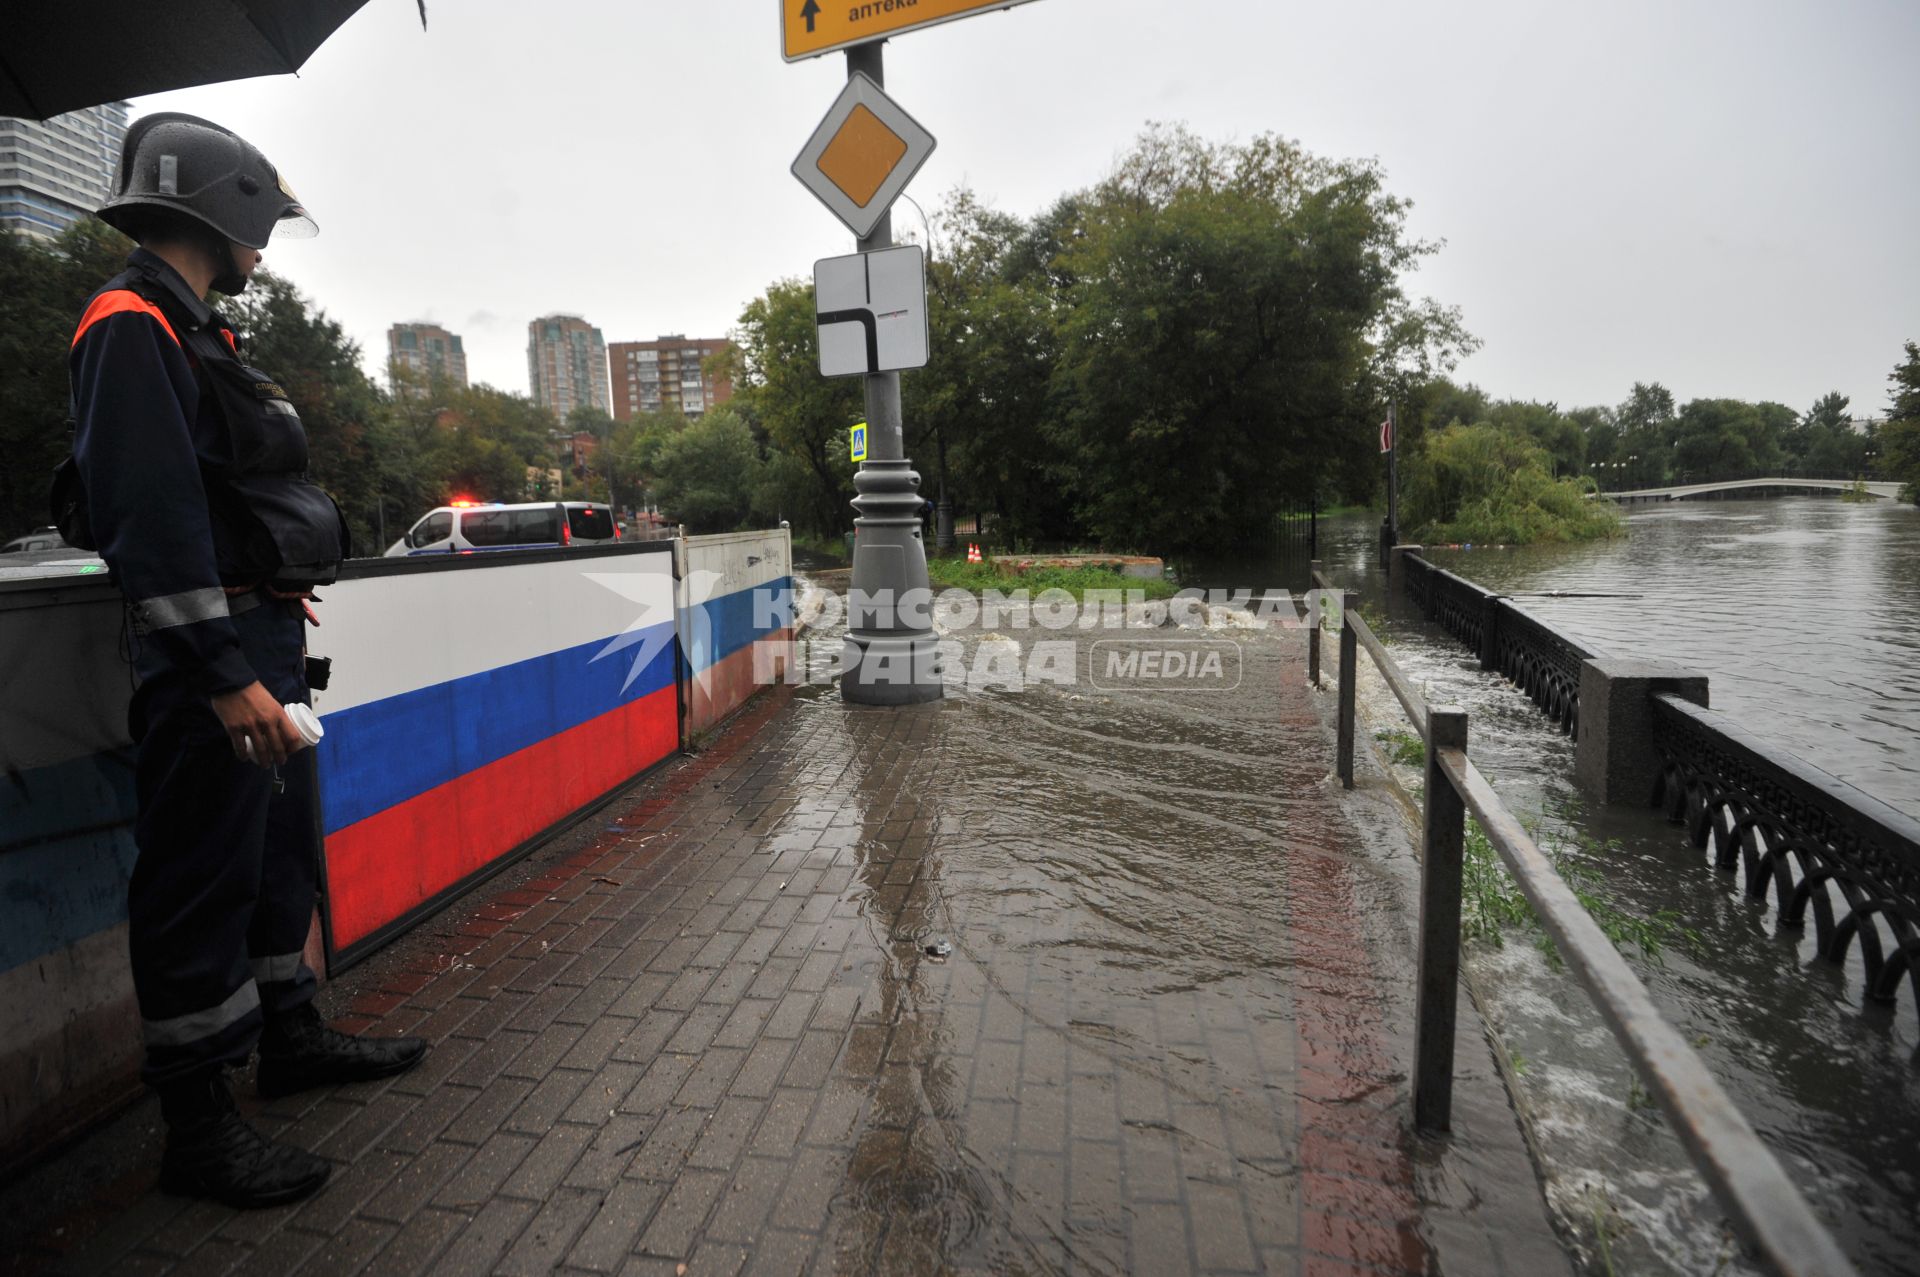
pixel 470 527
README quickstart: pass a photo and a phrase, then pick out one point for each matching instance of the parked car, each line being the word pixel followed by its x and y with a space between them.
pixel 468 527
pixel 47 538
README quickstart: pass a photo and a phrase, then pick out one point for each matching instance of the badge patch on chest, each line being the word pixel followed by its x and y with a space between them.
pixel 267 390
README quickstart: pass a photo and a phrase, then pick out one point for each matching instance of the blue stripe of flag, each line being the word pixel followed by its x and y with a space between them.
pixel 381 754
pixel 735 620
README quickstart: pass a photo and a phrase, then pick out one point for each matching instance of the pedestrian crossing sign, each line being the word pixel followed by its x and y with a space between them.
pixel 858 440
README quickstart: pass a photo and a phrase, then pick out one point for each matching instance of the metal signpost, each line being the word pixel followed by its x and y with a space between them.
pixel 872 310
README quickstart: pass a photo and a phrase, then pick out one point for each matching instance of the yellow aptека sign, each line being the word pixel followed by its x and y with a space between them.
pixel 809 28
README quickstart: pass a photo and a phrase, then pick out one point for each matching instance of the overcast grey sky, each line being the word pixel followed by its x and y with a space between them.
pixel 1721 196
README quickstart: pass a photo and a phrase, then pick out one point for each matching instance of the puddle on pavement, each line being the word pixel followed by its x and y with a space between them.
pixel 1121 877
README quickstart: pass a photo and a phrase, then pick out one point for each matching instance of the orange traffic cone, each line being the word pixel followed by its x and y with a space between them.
pixel 973 552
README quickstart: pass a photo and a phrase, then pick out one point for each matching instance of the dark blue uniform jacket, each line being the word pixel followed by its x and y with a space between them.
pixel 144 436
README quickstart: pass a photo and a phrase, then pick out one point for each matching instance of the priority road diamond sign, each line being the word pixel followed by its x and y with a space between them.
pixel 863 155
pixel 872 311
pixel 809 28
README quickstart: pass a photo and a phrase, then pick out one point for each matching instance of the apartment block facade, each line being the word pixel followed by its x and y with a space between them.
pixel 55 172
pixel 567 364
pixel 667 375
pixel 429 352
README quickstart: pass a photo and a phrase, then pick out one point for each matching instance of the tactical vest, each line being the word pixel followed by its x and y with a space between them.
pixel 271 523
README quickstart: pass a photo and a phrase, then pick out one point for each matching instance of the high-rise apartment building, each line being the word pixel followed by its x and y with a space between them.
pixel 567 364
pixel 428 351
pixel 55 172
pixel 667 375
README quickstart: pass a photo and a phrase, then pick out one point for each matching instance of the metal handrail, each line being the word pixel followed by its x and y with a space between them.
pixel 1762 1202
pixel 1402 687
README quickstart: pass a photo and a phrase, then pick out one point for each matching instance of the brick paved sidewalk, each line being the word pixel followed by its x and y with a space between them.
pixel 1171 1033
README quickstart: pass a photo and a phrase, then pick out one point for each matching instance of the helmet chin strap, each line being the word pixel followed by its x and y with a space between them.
pixel 231 281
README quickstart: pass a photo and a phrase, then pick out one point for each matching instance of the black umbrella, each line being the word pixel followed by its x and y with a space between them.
pixel 61 55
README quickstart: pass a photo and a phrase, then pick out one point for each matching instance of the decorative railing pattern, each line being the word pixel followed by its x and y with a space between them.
pixel 1762 1201
pixel 1541 661
pixel 1793 829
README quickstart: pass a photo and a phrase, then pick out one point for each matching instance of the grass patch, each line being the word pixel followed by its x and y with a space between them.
pixel 958 574
pixel 834 548
pixel 1491 904
pixel 1404 749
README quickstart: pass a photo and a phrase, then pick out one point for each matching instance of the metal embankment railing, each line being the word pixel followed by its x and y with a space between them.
pixel 1793 828
pixel 1765 1208
pixel 1542 662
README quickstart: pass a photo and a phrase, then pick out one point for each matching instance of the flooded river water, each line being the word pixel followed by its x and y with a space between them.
pixel 1805 615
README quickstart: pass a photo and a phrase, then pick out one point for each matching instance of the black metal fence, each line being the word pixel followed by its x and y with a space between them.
pixel 1812 841
pixel 1541 661
pixel 1762 1202
pixel 1295 530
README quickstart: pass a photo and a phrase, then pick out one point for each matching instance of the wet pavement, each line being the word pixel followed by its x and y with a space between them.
pixel 1060 980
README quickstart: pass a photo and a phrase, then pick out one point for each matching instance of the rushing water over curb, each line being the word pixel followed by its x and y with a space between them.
pixel 1803 617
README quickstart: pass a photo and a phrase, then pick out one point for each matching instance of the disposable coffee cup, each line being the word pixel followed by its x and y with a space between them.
pixel 305 722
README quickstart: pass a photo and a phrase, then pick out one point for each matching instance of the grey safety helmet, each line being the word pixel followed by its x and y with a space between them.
pixel 188 165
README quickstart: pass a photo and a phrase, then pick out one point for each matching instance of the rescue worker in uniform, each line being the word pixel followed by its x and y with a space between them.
pixel 192 467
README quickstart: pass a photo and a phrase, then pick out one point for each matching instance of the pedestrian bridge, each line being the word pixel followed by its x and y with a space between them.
pixel 1682 492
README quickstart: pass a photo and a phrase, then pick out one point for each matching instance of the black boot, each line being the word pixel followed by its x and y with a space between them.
pixel 213 1152
pixel 297 1051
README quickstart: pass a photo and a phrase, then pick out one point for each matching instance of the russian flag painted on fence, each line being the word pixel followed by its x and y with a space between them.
pixel 533 689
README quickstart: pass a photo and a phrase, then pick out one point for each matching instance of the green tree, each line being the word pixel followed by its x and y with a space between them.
pixel 1236 319
pixel 710 472
pixel 1482 483
pixel 1714 438
pixel 295 343
pixel 1899 440
pixel 1645 422
pixel 774 364
pixel 480 445
pixel 1905 402
pixel 1558 435
pixel 974 414
pixel 42 291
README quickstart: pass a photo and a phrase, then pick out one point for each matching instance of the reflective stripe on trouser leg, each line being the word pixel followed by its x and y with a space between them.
pixel 278 969
pixel 197 1026
pixel 201 825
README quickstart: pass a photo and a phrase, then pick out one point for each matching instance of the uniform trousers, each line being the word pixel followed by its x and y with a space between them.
pixel 224 884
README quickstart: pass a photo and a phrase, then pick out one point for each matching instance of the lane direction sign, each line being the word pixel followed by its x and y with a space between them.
pixel 809 28
pixel 863 155
pixel 872 311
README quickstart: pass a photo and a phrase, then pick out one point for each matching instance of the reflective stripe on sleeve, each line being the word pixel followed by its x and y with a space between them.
pixel 278 969
pixel 169 610
pixel 196 1025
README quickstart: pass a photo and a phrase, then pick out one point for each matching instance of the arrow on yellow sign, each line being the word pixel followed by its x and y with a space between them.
pixel 809 29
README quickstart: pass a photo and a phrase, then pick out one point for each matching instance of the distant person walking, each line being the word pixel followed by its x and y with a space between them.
pixel 190 477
